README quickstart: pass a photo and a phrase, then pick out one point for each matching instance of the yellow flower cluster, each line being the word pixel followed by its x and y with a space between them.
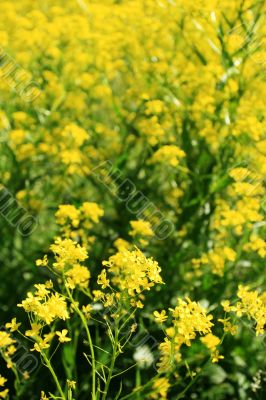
pixel 67 252
pixel 45 305
pixel 245 193
pixel 160 389
pixel 68 256
pixel 252 305
pixel 257 245
pixel 168 155
pixel 3 393
pixel 5 339
pixel 216 259
pixel 171 94
pixel 75 222
pixel 8 346
pixel 133 272
pixel 211 342
pixel 141 228
pixel 189 318
pixel 70 147
pixel 67 212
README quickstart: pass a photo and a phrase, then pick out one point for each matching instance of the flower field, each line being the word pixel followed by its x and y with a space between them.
pixel 132 199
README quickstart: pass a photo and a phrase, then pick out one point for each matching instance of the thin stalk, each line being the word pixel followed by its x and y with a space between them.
pixel 83 320
pixel 49 366
pixel 110 373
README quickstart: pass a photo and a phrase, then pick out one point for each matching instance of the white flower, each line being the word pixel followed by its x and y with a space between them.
pixel 97 306
pixel 143 356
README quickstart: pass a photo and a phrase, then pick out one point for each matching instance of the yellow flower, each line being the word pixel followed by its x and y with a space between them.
pixel 77 134
pixel 4 393
pixel 5 339
pixel 71 384
pixel 67 252
pixel 92 211
pixel 121 244
pixel 97 295
pixel 154 107
pixel 43 262
pixel 67 213
pixel 256 244
pixel 43 343
pixel 43 396
pixel 228 326
pixel 109 300
pixel 87 310
pixel 26 375
pixel 211 341
pixel 102 279
pixel 141 228
pixel 189 318
pixel 78 276
pixel 11 350
pixel 133 272
pixel 160 389
pixel 160 317
pixel 2 380
pixel 252 305
pixel 137 303
pixel 42 292
pixel 48 308
pixel 62 336
pixel 229 253
pixel 226 305
pixel 13 325
pixel 39 347
pixel 169 154
pixel 34 331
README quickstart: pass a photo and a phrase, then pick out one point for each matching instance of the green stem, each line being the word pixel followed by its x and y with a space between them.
pixel 49 366
pixel 186 389
pixel 192 382
pixel 83 320
pixel 14 370
pixel 138 382
pixel 110 373
pixel 138 390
